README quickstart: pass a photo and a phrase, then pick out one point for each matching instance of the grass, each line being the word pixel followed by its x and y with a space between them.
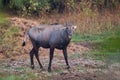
pixel 3 16
pixel 25 76
pixel 107 43
pixel 3 19
pixel 9 40
pixel 102 31
pixel 12 77
pixel 75 56
pixel 8 36
pixel 96 37
pixel 108 50
pixel 88 37
pixel 111 56
pixel 108 47
pixel 22 73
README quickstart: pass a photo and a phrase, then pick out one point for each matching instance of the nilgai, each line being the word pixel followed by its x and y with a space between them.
pixel 49 36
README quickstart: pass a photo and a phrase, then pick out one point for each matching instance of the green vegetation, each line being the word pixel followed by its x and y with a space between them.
pixel 32 7
pixel 92 37
pixel 75 56
pixel 95 20
pixel 108 48
pixel 8 36
pixel 3 18
pixel 22 73
pixel 9 41
pixel 27 76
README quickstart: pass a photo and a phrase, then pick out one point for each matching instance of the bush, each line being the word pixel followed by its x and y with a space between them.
pixel 29 7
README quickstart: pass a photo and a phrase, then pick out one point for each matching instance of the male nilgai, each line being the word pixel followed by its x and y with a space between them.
pixel 49 36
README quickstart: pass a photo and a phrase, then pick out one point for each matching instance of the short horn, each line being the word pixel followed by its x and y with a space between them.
pixel 73 22
pixel 66 23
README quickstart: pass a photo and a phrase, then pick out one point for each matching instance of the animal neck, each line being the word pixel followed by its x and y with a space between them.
pixel 67 36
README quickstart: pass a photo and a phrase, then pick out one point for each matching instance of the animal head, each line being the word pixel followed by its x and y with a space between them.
pixel 70 29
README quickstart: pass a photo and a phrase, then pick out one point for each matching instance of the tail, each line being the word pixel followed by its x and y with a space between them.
pixel 24 42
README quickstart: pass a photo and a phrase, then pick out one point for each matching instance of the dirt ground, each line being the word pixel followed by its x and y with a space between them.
pixel 83 67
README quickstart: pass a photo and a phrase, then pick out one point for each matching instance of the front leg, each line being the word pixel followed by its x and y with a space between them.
pixel 66 57
pixel 51 57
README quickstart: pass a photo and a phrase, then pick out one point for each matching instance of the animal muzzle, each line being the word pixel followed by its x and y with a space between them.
pixel 70 36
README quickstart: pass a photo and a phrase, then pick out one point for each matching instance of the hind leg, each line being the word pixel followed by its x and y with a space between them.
pixel 31 58
pixel 37 57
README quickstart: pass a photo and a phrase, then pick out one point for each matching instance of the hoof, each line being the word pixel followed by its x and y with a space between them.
pixel 49 70
pixel 42 69
pixel 32 67
pixel 68 67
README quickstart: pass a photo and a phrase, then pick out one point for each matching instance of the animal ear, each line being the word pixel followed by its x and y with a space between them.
pixel 67 24
pixel 73 25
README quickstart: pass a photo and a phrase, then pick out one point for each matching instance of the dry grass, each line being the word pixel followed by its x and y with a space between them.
pixel 91 23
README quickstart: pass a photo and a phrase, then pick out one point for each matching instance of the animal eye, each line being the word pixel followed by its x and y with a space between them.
pixel 72 27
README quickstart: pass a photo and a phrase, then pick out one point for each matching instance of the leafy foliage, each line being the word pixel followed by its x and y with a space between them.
pixel 29 7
